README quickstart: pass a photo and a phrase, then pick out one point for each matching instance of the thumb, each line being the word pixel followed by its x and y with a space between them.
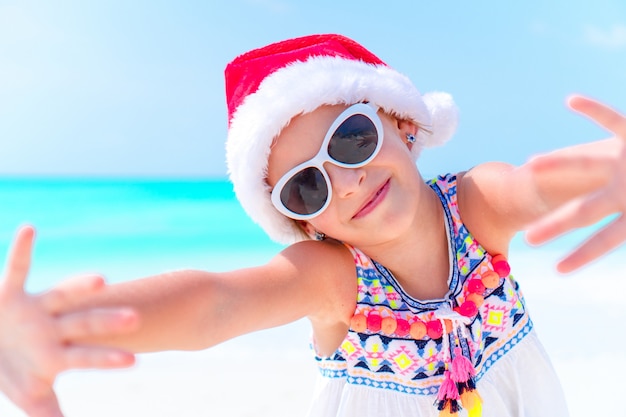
pixel 19 258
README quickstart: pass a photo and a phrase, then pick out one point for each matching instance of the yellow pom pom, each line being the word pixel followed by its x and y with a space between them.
pixel 473 403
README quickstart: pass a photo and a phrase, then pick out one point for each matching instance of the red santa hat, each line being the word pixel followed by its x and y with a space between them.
pixel 267 87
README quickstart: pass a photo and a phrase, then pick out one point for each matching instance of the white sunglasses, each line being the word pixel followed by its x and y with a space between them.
pixel 352 141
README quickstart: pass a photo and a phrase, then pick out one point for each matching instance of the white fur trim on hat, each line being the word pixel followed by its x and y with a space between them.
pixel 302 87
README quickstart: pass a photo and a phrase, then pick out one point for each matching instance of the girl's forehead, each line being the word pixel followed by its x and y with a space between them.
pixel 319 119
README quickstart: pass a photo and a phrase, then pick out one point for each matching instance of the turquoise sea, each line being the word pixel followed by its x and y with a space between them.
pixel 129 228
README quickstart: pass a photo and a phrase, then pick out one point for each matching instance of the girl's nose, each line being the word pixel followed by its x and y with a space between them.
pixel 344 181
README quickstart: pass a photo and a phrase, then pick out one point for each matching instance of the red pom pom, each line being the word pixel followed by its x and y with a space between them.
pixel 476 286
pixel 374 322
pixel 501 266
pixel 434 329
pixel 468 309
pixel 403 327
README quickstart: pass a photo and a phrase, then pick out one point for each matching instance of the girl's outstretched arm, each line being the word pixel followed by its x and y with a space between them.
pixel 84 324
pixel 35 332
pixel 497 200
pixel 193 310
pixel 592 207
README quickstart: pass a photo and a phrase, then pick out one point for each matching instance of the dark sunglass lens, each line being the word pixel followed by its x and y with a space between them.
pixel 354 140
pixel 306 192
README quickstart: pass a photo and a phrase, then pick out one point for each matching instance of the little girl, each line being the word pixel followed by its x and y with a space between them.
pixel 406 283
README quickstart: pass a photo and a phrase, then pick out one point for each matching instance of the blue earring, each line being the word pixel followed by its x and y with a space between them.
pixel 410 138
pixel 319 235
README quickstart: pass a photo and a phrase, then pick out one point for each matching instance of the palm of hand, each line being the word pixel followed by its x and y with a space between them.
pixel 37 333
pixel 589 209
pixel 28 372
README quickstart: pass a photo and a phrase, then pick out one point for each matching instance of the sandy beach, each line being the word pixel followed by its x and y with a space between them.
pixel 580 319
pixel 254 375
pixel 230 380
pixel 271 373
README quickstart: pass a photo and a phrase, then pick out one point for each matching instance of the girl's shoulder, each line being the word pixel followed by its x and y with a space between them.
pixel 328 266
pixel 327 254
pixel 483 176
pixel 480 195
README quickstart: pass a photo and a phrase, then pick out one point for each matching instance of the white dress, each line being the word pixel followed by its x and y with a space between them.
pixel 399 351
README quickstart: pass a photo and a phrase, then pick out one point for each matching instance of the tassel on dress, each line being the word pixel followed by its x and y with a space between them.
pixel 463 373
pixel 448 397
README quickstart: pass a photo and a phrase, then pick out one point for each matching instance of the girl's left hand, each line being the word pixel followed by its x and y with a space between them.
pixel 591 208
pixel 36 330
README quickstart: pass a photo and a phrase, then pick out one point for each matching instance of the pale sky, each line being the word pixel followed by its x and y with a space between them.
pixel 135 88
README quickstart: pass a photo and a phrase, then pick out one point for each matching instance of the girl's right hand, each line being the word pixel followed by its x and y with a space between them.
pixel 588 209
pixel 35 329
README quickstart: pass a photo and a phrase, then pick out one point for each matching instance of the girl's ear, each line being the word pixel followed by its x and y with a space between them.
pixel 306 226
pixel 407 128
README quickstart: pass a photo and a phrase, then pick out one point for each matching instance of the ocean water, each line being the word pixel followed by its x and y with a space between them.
pixel 129 228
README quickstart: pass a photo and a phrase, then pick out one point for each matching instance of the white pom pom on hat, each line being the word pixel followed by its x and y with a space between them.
pixel 267 87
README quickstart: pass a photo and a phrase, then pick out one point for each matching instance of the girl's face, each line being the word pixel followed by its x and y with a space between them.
pixel 381 196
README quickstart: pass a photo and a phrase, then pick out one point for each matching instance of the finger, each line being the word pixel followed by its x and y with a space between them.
pixel 581 212
pixel 91 357
pixel 603 115
pixel 579 167
pixel 94 323
pixel 567 163
pixel 18 261
pixel 604 241
pixel 68 293
pixel 44 405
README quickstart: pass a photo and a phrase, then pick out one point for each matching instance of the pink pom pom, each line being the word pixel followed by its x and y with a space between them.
pixel 476 286
pixel 501 266
pixel 403 327
pixel 374 322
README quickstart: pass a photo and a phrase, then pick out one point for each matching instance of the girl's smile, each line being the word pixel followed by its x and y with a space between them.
pixel 374 200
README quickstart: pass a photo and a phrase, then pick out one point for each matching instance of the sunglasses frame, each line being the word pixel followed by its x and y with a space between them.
pixel 366 109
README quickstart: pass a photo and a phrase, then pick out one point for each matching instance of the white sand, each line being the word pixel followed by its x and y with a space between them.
pixel 232 379
pixel 580 319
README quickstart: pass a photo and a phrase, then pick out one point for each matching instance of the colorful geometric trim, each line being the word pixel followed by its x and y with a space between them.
pixel 399 343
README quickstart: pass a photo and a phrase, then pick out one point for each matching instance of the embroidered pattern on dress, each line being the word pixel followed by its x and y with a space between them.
pixel 398 343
